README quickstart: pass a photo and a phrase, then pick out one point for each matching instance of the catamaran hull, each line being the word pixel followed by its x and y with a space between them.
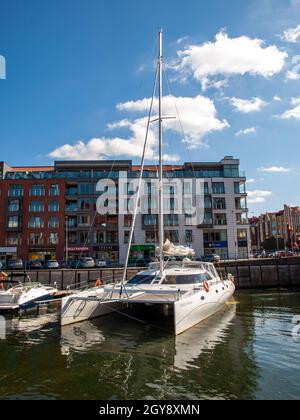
pixel 194 309
pixel 82 308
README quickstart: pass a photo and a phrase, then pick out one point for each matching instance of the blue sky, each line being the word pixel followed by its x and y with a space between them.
pixel 79 71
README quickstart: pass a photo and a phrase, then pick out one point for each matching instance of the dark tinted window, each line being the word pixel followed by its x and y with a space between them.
pixel 142 279
pixel 199 278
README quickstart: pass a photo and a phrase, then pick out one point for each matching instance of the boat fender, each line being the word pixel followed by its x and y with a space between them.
pixel 206 286
pixel 99 283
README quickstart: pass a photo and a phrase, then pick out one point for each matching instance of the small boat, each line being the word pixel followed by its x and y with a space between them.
pixel 24 295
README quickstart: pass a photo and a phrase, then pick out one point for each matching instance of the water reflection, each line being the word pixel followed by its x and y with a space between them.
pixel 184 349
pixel 245 352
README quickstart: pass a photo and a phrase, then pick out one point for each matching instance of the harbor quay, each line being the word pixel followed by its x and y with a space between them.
pixel 248 274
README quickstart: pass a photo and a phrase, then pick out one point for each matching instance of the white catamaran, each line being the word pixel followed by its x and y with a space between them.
pixel 186 290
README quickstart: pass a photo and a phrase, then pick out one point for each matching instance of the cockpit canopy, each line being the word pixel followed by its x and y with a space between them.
pixel 144 278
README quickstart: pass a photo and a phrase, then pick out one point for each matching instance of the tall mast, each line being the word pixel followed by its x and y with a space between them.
pixel 161 180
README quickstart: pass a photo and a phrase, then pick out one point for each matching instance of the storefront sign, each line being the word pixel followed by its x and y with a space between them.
pixel 8 250
pixel 221 244
pixel 142 248
pixel 75 249
pixel 106 248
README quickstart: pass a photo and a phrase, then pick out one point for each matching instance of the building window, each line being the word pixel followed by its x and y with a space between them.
pixel 189 236
pixel 151 237
pixel 83 238
pixel 72 221
pixel 54 206
pixel 71 206
pixel 218 188
pixel 215 236
pixel 207 203
pixel 36 207
pixel 16 191
pixel 72 238
pixel 99 238
pixel 242 234
pixel 128 221
pixel 84 220
pixel 53 222
pixel 206 188
pixel 241 219
pixel 187 188
pixel 219 204
pixel 238 204
pixel 36 223
pixel 84 189
pixel 13 222
pixel 171 220
pixel 127 237
pixel 149 220
pixel 36 239
pixel 13 240
pixel 37 191
pixel 84 204
pixel 220 219
pixel 189 220
pixel 53 239
pixel 172 235
pixel 207 219
pixel 54 190
pixel 237 188
pixel 171 204
pixel 112 237
pixel 13 206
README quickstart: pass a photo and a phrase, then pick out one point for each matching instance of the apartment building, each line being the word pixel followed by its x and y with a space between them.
pixel 51 212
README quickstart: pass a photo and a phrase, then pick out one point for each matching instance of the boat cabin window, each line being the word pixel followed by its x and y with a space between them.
pixel 187 279
pixel 142 279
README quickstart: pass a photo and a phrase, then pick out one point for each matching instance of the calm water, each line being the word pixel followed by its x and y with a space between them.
pixel 245 352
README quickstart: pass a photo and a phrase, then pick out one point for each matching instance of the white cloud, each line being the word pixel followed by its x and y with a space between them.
pixel 274 169
pixel 291 35
pixel 277 98
pixel 246 131
pixel 198 116
pixel 292 75
pixel 230 56
pixel 293 113
pixel 251 181
pixel 182 40
pixel 258 196
pixel 248 105
pixel 101 148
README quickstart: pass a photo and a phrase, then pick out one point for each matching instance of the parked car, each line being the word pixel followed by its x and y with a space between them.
pixel 35 265
pixel 51 265
pixel 285 254
pixel 211 258
pixel 100 263
pixel 15 264
pixel 86 262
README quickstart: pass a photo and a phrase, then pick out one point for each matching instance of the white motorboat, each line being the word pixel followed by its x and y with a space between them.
pixel 25 296
pixel 189 291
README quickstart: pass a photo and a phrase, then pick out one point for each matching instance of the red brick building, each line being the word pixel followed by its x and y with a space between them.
pixel 32 222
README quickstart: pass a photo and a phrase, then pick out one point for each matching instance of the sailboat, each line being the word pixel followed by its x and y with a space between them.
pixel 187 291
